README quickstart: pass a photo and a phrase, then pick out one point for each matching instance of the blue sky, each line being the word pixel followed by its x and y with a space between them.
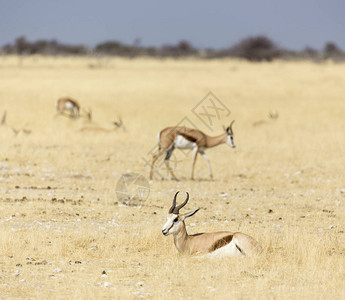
pixel 292 24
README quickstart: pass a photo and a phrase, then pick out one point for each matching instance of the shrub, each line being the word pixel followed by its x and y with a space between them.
pixel 256 49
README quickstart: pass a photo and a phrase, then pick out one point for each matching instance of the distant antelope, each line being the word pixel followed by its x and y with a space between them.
pixel 223 243
pixel 187 138
pixel 117 125
pixel 272 115
pixel 21 131
pixel 15 131
pixel 68 104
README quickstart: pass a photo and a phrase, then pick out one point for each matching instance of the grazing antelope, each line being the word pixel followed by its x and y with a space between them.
pixel 187 138
pixel 223 243
pixel 15 131
pixel 117 125
pixel 68 104
pixel 21 131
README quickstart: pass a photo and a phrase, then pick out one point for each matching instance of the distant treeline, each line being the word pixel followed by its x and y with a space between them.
pixel 258 48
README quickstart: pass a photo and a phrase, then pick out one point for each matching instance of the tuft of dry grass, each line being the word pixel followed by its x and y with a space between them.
pixel 65 234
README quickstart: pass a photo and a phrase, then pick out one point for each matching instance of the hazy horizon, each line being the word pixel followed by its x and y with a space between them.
pixel 220 24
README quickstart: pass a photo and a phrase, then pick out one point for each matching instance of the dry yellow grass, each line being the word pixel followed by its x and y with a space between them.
pixel 62 225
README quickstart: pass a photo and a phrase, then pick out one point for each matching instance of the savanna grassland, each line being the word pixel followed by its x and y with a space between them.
pixel 64 233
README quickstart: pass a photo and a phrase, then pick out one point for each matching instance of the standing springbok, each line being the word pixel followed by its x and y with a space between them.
pixel 68 104
pixel 223 243
pixel 187 138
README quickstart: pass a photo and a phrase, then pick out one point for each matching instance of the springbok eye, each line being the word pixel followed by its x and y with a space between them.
pixel 176 219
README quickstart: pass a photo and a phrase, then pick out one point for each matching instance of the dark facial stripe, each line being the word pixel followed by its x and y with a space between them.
pixel 171 227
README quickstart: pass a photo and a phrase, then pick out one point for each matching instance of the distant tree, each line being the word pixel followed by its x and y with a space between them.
pixel 39 46
pixel 116 48
pixel 183 48
pixel 256 49
pixel 311 53
pixel 108 47
pixel 150 51
pixel 8 49
pixel 75 50
pixel 331 50
pixel 21 45
pixel 289 54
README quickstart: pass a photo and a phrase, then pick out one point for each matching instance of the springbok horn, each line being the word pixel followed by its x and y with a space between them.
pixel 231 125
pixel 177 208
pixel 171 210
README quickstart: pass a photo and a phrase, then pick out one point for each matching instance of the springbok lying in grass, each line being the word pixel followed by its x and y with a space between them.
pixel 188 138
pixel 68 104
pixel 223 243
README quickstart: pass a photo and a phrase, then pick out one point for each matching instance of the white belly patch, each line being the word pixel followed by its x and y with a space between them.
pixel 229 250
pixel 69 105
pixel 182 143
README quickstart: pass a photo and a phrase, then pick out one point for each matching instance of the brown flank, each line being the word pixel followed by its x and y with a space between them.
pixel 221 243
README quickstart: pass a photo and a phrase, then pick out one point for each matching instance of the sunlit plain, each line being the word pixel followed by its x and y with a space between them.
pixel 64 233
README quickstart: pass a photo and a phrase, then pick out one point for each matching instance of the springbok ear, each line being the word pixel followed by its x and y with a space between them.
pixel 191 213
